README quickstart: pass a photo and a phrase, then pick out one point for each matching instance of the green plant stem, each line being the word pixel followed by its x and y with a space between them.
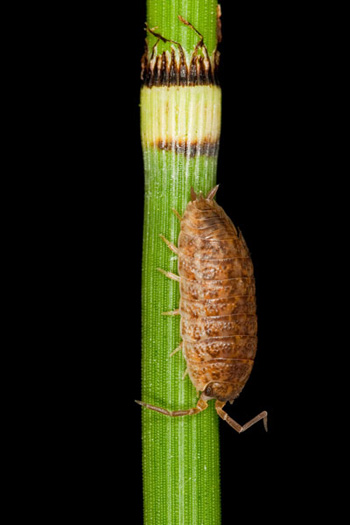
pixel 181 454
pixel 163 14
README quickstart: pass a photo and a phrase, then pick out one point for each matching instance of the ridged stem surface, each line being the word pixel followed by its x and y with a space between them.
pixel 180 127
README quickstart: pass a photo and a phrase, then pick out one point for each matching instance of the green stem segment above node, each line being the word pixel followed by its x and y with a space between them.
pixel 163 16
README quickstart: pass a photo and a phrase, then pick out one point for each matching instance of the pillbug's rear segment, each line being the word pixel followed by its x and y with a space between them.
pixel 217 306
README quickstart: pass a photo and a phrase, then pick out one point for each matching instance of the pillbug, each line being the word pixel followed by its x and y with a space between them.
pixel 217 307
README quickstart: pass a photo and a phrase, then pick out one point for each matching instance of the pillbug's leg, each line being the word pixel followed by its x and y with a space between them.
pixel 176 350
pixel 201 405
pixel 169 244
pixel 185 373
pixel 172 312
pixel 169 274
pixel 176 213
pixel 234 424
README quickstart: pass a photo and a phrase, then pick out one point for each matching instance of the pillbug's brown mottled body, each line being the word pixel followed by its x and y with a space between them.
pixel 217 307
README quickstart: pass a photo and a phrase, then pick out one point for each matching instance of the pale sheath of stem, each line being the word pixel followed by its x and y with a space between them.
pixel 180 131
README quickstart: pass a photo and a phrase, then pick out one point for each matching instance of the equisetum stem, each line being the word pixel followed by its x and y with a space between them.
pixel 180 131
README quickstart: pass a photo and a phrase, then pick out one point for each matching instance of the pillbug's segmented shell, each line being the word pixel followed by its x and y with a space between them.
pixel 217 300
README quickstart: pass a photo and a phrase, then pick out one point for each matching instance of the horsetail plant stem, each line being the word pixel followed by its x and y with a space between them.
pixel 180 130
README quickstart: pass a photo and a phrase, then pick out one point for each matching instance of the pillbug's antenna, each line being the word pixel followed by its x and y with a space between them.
pixel 212 193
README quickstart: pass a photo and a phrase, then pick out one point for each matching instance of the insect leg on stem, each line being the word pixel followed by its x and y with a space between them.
pixel 176 349
pixel 170 275
pixel 201 405
pixel 169 244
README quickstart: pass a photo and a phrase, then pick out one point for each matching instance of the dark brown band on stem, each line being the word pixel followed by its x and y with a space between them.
pixel 190 149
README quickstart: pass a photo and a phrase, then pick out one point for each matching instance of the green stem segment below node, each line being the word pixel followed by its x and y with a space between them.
pixel 180 130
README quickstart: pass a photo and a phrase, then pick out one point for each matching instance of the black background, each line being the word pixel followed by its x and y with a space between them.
pixel 268 183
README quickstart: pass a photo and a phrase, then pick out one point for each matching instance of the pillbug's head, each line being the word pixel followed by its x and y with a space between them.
pixel 221 391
